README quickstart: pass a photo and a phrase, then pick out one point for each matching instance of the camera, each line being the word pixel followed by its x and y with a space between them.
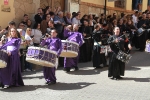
pixel 32 36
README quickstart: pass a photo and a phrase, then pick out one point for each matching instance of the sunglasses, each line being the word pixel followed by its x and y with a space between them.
pixel 30 30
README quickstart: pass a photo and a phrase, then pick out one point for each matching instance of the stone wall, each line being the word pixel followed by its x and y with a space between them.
pixel 84 9
pixel 44 3
pixel 25 7
pixel 89 8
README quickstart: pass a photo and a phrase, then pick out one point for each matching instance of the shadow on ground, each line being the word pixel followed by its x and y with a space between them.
pixel 136 79
pixel 87 72
pixel 58 86
pixel 33 77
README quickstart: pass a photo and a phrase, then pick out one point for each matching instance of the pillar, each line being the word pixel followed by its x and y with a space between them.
pixel 110 3
pixel 67 5
pixel 144 5
pixel 128 5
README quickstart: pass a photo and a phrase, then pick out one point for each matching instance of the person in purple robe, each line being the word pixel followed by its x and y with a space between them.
pixel 76 37
pixel 53 43
pixel 11 74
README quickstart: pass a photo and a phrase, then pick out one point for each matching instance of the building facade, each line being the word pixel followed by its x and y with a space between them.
pixel 15 9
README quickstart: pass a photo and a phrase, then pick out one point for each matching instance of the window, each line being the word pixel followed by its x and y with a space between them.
pixel 120 3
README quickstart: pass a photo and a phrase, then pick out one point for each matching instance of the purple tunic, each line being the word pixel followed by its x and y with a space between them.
pixel 74 37
pixel 55 45
pixel 11 75
pixel 66 35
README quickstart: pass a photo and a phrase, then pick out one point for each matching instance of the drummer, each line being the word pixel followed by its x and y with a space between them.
pixel 77 37
pixel 11 75
pixel 116 67
pixel 53 43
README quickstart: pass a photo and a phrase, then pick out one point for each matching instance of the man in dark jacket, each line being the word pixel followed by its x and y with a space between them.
pixel 38 17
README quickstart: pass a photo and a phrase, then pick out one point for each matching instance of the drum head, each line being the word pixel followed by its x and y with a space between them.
pixel 41 63
pixel 68 54
pixel 2 64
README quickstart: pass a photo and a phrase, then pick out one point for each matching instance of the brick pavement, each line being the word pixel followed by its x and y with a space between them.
pixel 87 84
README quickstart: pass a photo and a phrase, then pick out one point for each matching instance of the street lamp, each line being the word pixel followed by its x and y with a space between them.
pixel 105 7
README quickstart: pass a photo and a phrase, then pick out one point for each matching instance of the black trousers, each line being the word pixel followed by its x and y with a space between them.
pixel 86 51
pixel 22 59
pixel 61 61
pixel 96 56
pixel 142 40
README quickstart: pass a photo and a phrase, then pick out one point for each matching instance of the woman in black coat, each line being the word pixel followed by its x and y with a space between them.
pixel 116 67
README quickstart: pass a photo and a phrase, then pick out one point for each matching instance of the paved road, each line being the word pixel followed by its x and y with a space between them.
pixel 87 84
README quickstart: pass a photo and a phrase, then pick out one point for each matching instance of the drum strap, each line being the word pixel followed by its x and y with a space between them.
pixel 97 44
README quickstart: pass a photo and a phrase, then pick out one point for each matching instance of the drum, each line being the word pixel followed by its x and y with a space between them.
pixel 3 58
pixel 123 56
pixel 105 49
pixel 41 56
pixel 70 49
pixel 147 47
pixel 140 31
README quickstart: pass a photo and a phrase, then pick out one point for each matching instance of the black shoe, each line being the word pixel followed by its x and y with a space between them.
pixel 114 78
pixel 67 69
pixel 98 67
pixel 105 65
pixel 46 82
pixel 141 50
pixel 76 68
pixel 1 85
pixel 119 77
pixel 51 83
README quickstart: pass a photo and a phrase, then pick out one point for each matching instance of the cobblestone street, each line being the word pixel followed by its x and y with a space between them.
pixel 87 83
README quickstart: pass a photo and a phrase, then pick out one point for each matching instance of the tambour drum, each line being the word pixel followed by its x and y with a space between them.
pixel 105 49
pixel 41 56
pixel 140 31
pixel 123 56
pixel 3 58
pixel 70 49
